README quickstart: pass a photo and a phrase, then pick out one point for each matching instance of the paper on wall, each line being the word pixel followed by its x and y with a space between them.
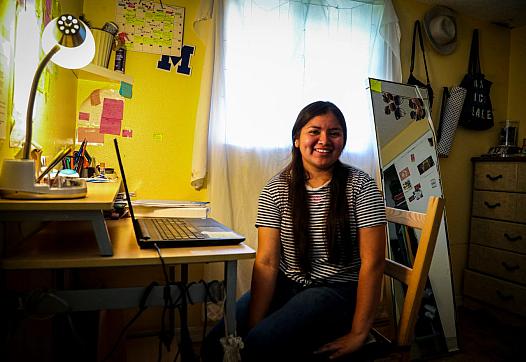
pixel 100 113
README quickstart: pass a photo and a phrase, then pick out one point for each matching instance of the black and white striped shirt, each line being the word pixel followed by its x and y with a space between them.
pixel 366 209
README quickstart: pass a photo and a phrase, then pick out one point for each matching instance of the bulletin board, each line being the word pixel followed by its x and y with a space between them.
pixel 410 174
pixel 151 27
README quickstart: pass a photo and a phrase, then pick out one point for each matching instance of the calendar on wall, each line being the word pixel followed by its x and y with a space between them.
pixel 151 27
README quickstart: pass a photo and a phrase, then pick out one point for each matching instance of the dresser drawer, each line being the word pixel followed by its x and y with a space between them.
pixel 499 234
pixel 496 176
pixel 495 205
pixel 499 263
pixel 499 293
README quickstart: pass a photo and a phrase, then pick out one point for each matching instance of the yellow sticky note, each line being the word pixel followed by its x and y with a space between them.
pixel 376 85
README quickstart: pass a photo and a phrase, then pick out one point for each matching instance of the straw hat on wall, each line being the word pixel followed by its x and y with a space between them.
pixel 441 29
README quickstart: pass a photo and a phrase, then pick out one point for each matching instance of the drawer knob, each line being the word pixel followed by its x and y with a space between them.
pixel 503 296
pixel 510 267
pixel 512 238
pixel 491 206
pixel 493 178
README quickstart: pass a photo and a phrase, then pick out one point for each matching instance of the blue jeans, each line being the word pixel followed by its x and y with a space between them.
pixel 300 320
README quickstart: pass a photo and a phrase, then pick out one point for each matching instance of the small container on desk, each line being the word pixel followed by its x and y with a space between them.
pixel 509 133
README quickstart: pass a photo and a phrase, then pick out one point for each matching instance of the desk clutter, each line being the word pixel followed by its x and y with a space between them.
pixel 33 178
pixel 70 165
pixel 508 145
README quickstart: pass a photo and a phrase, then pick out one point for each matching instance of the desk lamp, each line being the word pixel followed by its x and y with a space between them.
pixel 68 42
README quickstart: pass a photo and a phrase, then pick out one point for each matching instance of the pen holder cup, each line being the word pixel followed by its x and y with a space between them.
pixel 509 133
pixel 103 45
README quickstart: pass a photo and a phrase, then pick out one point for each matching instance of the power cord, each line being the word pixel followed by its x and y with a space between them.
pixel 142 308
pixel 166 337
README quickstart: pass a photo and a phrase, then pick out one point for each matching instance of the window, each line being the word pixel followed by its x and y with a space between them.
pixel 27 52
pixel 281 55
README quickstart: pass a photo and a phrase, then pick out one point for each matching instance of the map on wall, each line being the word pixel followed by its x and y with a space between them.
pixel 151 27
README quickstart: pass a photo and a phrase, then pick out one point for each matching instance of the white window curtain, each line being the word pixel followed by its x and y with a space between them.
pixel 270 58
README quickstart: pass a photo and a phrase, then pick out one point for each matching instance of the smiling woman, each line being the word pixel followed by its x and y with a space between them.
pixel 321 246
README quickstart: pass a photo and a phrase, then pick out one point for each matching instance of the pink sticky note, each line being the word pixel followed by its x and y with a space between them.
pixel 47 11
pixel 110 125
pixel 83 116
pixel 112 108
pixel 92 135
pixel 127 133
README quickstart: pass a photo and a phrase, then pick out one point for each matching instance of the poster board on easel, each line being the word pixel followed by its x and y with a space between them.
pixel 410 174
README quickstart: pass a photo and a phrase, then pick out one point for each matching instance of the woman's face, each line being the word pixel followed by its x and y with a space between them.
pixel 320 142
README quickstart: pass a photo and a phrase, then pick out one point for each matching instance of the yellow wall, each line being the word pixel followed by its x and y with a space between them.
pixel 448 71
pixel 163 106
pixel 517 81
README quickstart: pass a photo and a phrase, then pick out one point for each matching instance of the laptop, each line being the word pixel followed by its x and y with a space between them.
pixel 174 232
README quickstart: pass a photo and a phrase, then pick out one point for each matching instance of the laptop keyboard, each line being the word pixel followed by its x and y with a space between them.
pixel 176 229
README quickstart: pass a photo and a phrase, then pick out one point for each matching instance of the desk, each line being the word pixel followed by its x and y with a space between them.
pixel 99 198
pixel 52 248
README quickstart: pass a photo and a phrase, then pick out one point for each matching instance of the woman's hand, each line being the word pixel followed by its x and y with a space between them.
pixel 342 346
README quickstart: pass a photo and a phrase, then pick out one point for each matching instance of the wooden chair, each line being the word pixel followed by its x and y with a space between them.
pixel 414 278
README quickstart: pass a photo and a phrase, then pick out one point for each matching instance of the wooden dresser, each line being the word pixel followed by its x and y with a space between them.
pixel 496 268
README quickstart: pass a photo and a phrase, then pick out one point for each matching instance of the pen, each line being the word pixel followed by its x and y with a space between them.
pixel 81 160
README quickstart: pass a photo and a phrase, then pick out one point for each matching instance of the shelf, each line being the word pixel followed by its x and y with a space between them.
pixel 98 73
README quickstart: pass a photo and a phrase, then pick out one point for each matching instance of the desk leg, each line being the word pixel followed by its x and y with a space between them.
pixel 101 233
pixel 230 301
pixel 187 352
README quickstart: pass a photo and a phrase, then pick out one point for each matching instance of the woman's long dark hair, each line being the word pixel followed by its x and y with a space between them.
pixel 337 228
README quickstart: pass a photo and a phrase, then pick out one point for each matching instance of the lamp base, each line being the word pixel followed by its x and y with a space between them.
pixel 17 181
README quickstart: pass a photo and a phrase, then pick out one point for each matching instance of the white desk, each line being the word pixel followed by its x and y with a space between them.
pixel 99 198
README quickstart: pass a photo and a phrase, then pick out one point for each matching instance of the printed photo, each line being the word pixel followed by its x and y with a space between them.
pixel 425 165
pixel 404 174
pixel 407 185
pixel 418 194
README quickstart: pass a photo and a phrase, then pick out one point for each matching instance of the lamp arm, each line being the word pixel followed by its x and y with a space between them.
pixel 31 102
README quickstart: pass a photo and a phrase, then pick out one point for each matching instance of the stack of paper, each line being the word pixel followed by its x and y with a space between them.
pixel 170 208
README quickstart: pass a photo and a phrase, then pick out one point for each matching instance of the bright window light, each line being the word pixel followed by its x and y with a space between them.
pixel 278 59
pixel 27 51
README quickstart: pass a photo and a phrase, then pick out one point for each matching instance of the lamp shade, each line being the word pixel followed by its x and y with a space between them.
pixel 77 46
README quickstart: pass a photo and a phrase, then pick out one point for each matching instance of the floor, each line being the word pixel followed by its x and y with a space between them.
pixel 485 338
pixel 482 338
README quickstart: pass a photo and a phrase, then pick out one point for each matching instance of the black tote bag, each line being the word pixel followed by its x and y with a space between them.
pixel 412 79
pixel 477 112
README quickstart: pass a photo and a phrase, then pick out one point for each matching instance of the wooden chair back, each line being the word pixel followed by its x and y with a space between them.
pixel 414 277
